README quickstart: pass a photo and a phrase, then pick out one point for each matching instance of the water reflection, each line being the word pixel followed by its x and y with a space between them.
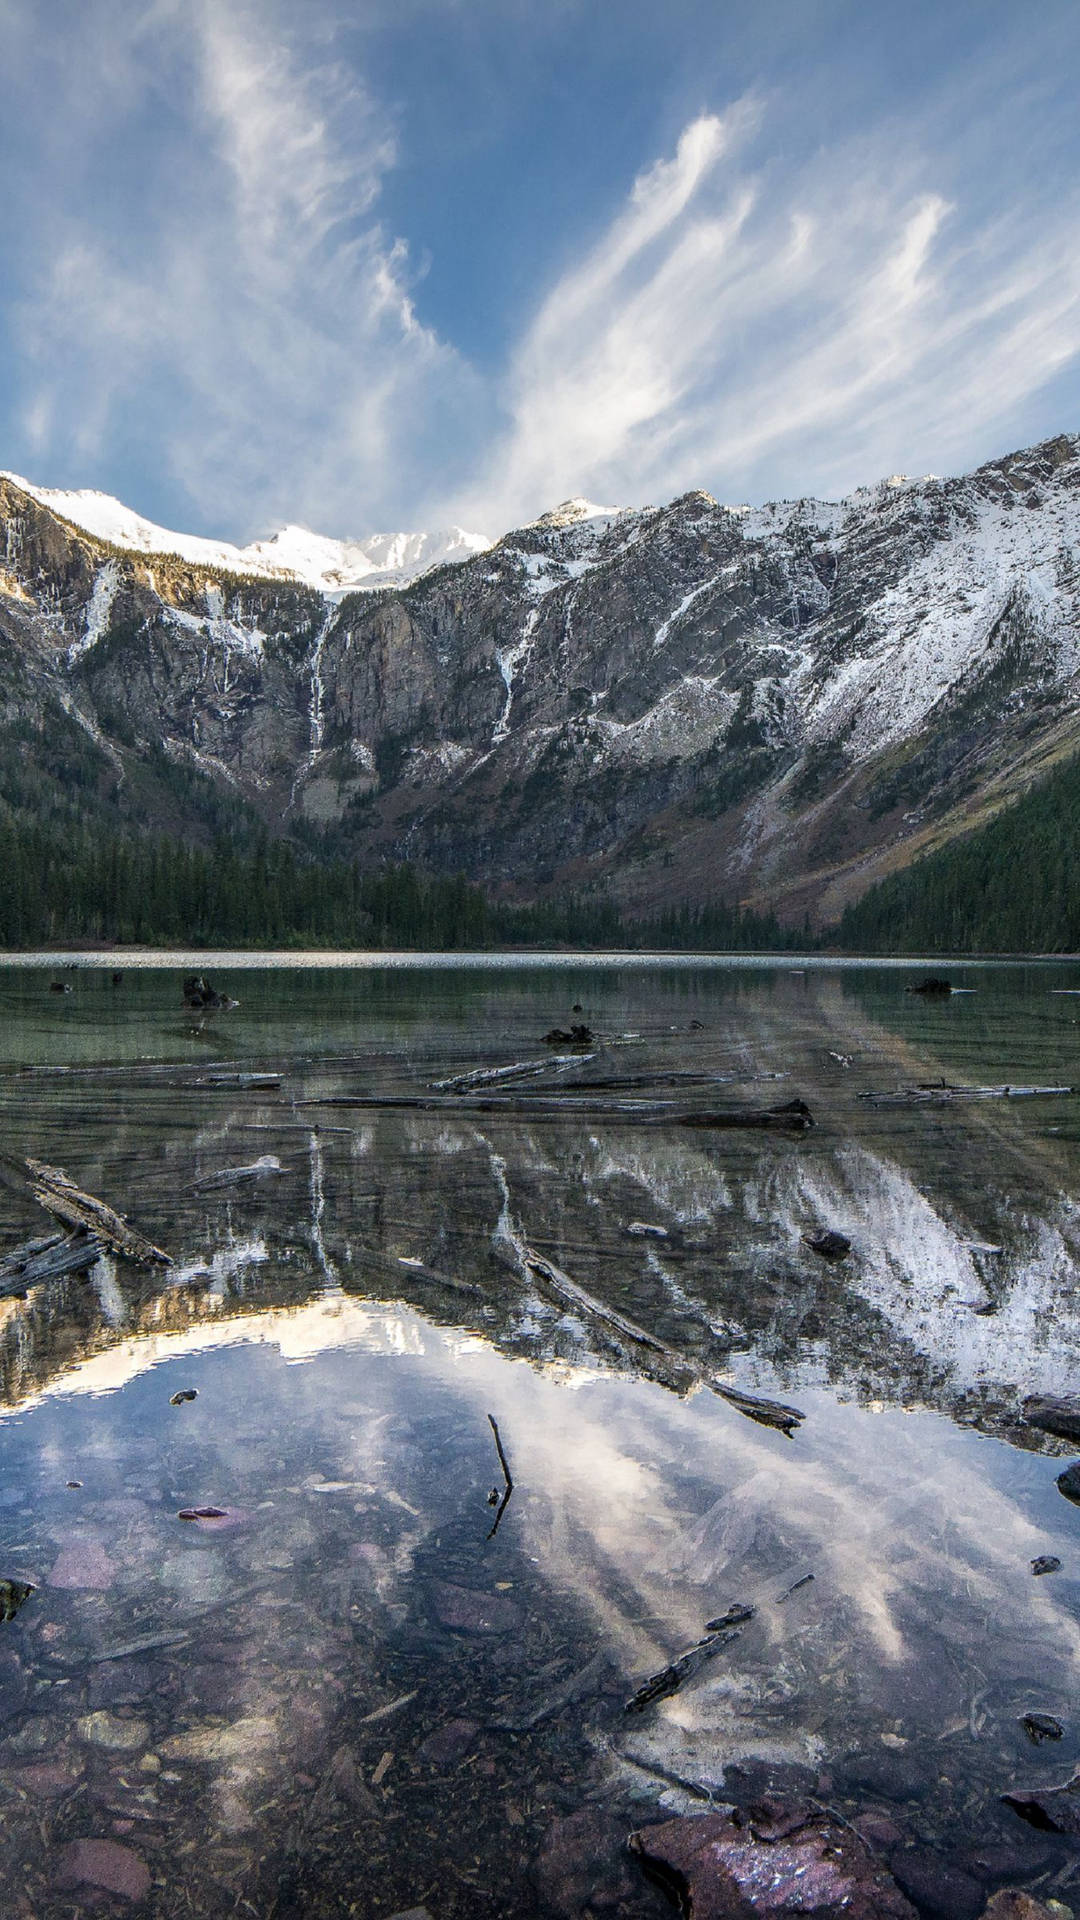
pixel 276 1701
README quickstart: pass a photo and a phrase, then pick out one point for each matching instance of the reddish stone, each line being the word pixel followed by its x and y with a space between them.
pixel 106 1864
pixel 468 1612
pixel 83 1563
pixel 214 1519
pixel 723 1871
pixel 448 1743
pixel 582 1863
pixel 879 1830
pixel 47 1779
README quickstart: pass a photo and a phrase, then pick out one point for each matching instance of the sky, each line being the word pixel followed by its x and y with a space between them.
pixel 418 263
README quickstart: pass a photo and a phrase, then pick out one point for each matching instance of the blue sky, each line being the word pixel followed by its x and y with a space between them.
pixel 414 262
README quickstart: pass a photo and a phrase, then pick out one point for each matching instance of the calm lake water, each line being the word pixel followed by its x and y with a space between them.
pixel 347 1695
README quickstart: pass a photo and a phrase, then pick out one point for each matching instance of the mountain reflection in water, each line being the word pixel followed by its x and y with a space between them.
pixel 343 1695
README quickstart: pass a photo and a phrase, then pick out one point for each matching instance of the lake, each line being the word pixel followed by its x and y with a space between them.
pixel 370 1682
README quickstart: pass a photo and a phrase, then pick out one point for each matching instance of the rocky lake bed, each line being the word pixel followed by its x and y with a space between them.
pixel 596 1439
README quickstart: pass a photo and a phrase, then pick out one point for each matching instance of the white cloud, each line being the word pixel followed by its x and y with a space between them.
pixel 736 320
pixel 211 276
pixel 264 296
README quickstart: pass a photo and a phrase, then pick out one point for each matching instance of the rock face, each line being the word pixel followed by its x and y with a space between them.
pixel 788 700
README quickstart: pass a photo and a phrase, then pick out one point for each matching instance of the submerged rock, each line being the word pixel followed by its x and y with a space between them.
pixel 1012 1904
pixel 1042 1726
pixel 12 1595
pixel 449 1743
pixel 83 1563
pixel 198 993
pixel 769 1860
pixel 1051 1809
pixel 1052 1415
pixel 582 1853
pixel 939 1888
pixel 104 1729
pixel 105 1864
pixel 830 1244
pixel 468 1612
pixel 1069 1482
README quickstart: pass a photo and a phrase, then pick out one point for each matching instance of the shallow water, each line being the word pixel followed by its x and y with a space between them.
pixel 346 1695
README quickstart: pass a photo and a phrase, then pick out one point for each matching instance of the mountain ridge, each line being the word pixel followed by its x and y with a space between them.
pixel 773 705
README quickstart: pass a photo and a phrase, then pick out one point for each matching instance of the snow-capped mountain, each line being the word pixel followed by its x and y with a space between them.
pixel 774 704
pixel 334 567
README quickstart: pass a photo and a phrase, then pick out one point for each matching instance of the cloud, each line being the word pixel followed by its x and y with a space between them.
pixel 206 287
pixel 263 298
pixel 738 319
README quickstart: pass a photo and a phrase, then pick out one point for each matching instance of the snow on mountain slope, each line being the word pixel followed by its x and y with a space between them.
pixel 775 697
pixel 334 567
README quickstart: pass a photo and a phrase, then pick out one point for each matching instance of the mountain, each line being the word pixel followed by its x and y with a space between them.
pixel 335 567
pixel 777 704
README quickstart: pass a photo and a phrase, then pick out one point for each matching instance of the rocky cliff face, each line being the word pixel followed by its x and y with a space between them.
pixel 773 704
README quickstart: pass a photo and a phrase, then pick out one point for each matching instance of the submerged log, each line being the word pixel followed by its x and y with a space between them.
pixel 550 1105
pixel 59 1195
pixel 46 1259
pixel 769 1413
pixel 940 1092
pixel 670 1678
pixel 794 1117
pixel 261 1169
pixel 515 1070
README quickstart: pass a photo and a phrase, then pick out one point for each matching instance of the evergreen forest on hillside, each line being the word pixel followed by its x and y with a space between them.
pixel 66 881
pixel 1012 886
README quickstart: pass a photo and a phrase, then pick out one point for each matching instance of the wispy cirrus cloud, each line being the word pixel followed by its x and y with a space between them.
pixel 265 300
pixel 738 319
pixel 202 283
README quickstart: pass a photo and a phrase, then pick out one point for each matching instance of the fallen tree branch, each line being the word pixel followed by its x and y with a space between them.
pixel 503 1504
pixel 769 1413
pixel 46 1259
pixel 59 1195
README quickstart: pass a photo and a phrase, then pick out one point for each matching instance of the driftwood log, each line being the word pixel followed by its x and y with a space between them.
pixel 793 1117
pixel 546 1105
pixel 942 1092
pixel 767 1413
pixel 46 1259
pixel 59 1195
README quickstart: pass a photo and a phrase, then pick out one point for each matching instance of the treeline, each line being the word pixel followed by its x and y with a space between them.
pixel 1012 886
pixel 62 883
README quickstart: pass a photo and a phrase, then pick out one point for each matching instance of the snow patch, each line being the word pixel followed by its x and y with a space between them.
pixel 510 661
pixel 98 610
pixel 333 567
pixel 688 600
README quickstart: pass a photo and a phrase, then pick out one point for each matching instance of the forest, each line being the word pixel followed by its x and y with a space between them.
pixel 67 881
pixel 1012 886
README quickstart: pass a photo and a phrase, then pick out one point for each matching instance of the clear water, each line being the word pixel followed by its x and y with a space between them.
pixel 346 1696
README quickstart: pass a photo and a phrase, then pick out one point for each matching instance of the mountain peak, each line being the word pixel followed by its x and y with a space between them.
pixel 333 567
